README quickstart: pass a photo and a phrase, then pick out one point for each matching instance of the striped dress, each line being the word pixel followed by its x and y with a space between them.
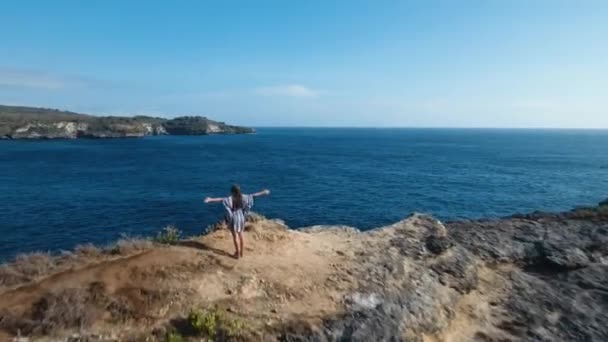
pixel 236 218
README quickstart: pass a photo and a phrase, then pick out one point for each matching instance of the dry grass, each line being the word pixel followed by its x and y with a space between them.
pixel 29 267
pixel 255 217
pixel 26 267
pixel 72 308
pixel 79 308
pixel 215 227
pixel 88 250
pixel 68 308
pixel 168 236
pixel 54 311
pixel 130 245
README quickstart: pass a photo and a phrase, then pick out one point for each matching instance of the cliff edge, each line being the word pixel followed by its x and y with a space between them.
pixel 535 277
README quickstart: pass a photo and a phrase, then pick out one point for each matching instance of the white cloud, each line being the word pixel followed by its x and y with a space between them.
pixel 21 78
pixel 537 105
pixel 289 90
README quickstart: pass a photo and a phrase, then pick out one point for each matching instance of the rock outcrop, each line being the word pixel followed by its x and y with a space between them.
pixel 40 123
pixel 536 277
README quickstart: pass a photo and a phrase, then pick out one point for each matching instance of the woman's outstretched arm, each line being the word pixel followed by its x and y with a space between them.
pixel 213 199
pixel 261 193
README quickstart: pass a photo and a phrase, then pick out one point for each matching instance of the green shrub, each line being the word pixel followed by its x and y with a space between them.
pixel 169 235
pixel 213 324
pixel 173 336
pixel 235 328
pixel 206 323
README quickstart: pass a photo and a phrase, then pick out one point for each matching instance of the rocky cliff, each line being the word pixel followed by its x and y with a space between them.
pixel 534 277
pixel 41 123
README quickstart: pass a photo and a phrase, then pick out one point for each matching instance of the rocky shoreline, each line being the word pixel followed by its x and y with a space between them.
pixel 42 123
pixel 532 277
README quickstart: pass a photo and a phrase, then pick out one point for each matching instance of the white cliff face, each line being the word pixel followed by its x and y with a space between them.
pixel 213 128
pixel 160 130
pixel 61 129
pixel 71 128
pixel 23 129
pixel 148 128
pixel 152 129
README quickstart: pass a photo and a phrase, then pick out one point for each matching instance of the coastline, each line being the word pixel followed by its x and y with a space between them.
pixel 32 123
pixel 417 279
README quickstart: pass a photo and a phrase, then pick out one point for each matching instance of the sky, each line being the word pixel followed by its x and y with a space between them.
pixel 510 63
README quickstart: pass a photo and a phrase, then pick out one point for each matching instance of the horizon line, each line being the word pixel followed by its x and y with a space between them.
pixel 440 127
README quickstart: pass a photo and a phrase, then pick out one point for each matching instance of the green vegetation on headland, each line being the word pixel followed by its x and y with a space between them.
pixel 43 123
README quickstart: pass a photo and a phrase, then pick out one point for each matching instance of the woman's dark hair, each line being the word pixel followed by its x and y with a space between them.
pixel 237 197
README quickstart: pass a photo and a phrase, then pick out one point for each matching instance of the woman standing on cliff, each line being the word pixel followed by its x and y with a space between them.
pixel 237 205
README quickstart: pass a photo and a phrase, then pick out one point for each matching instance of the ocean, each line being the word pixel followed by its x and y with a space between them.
pixel 57 194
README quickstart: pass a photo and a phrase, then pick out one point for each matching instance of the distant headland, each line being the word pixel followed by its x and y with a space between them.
pixel 18 122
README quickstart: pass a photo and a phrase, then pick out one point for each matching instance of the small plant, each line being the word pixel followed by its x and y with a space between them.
pixel 173 336
pixel 169 236
pixel 213 324
pixel 235 328
pixel 130 244
pixel 195 320
pixel 215 227
pixel 87 249
pixel 206 323
pixel 27 267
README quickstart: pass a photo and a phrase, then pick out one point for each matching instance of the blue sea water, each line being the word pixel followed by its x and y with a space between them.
pixel 56 194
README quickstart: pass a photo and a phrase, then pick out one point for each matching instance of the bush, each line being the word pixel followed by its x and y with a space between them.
pixel 213 324
pixel 169 235
pixel 128 245
pixel 88 249
pixel 235 328
pixel 205 322
pixel 55 311
pixel 174 336
pixel 26 267
pixel 215 227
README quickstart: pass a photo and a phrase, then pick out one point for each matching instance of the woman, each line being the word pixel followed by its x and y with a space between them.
pixel 237 205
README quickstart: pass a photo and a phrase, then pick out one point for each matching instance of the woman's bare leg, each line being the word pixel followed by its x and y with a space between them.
pixel 241 241
pixel 236 244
